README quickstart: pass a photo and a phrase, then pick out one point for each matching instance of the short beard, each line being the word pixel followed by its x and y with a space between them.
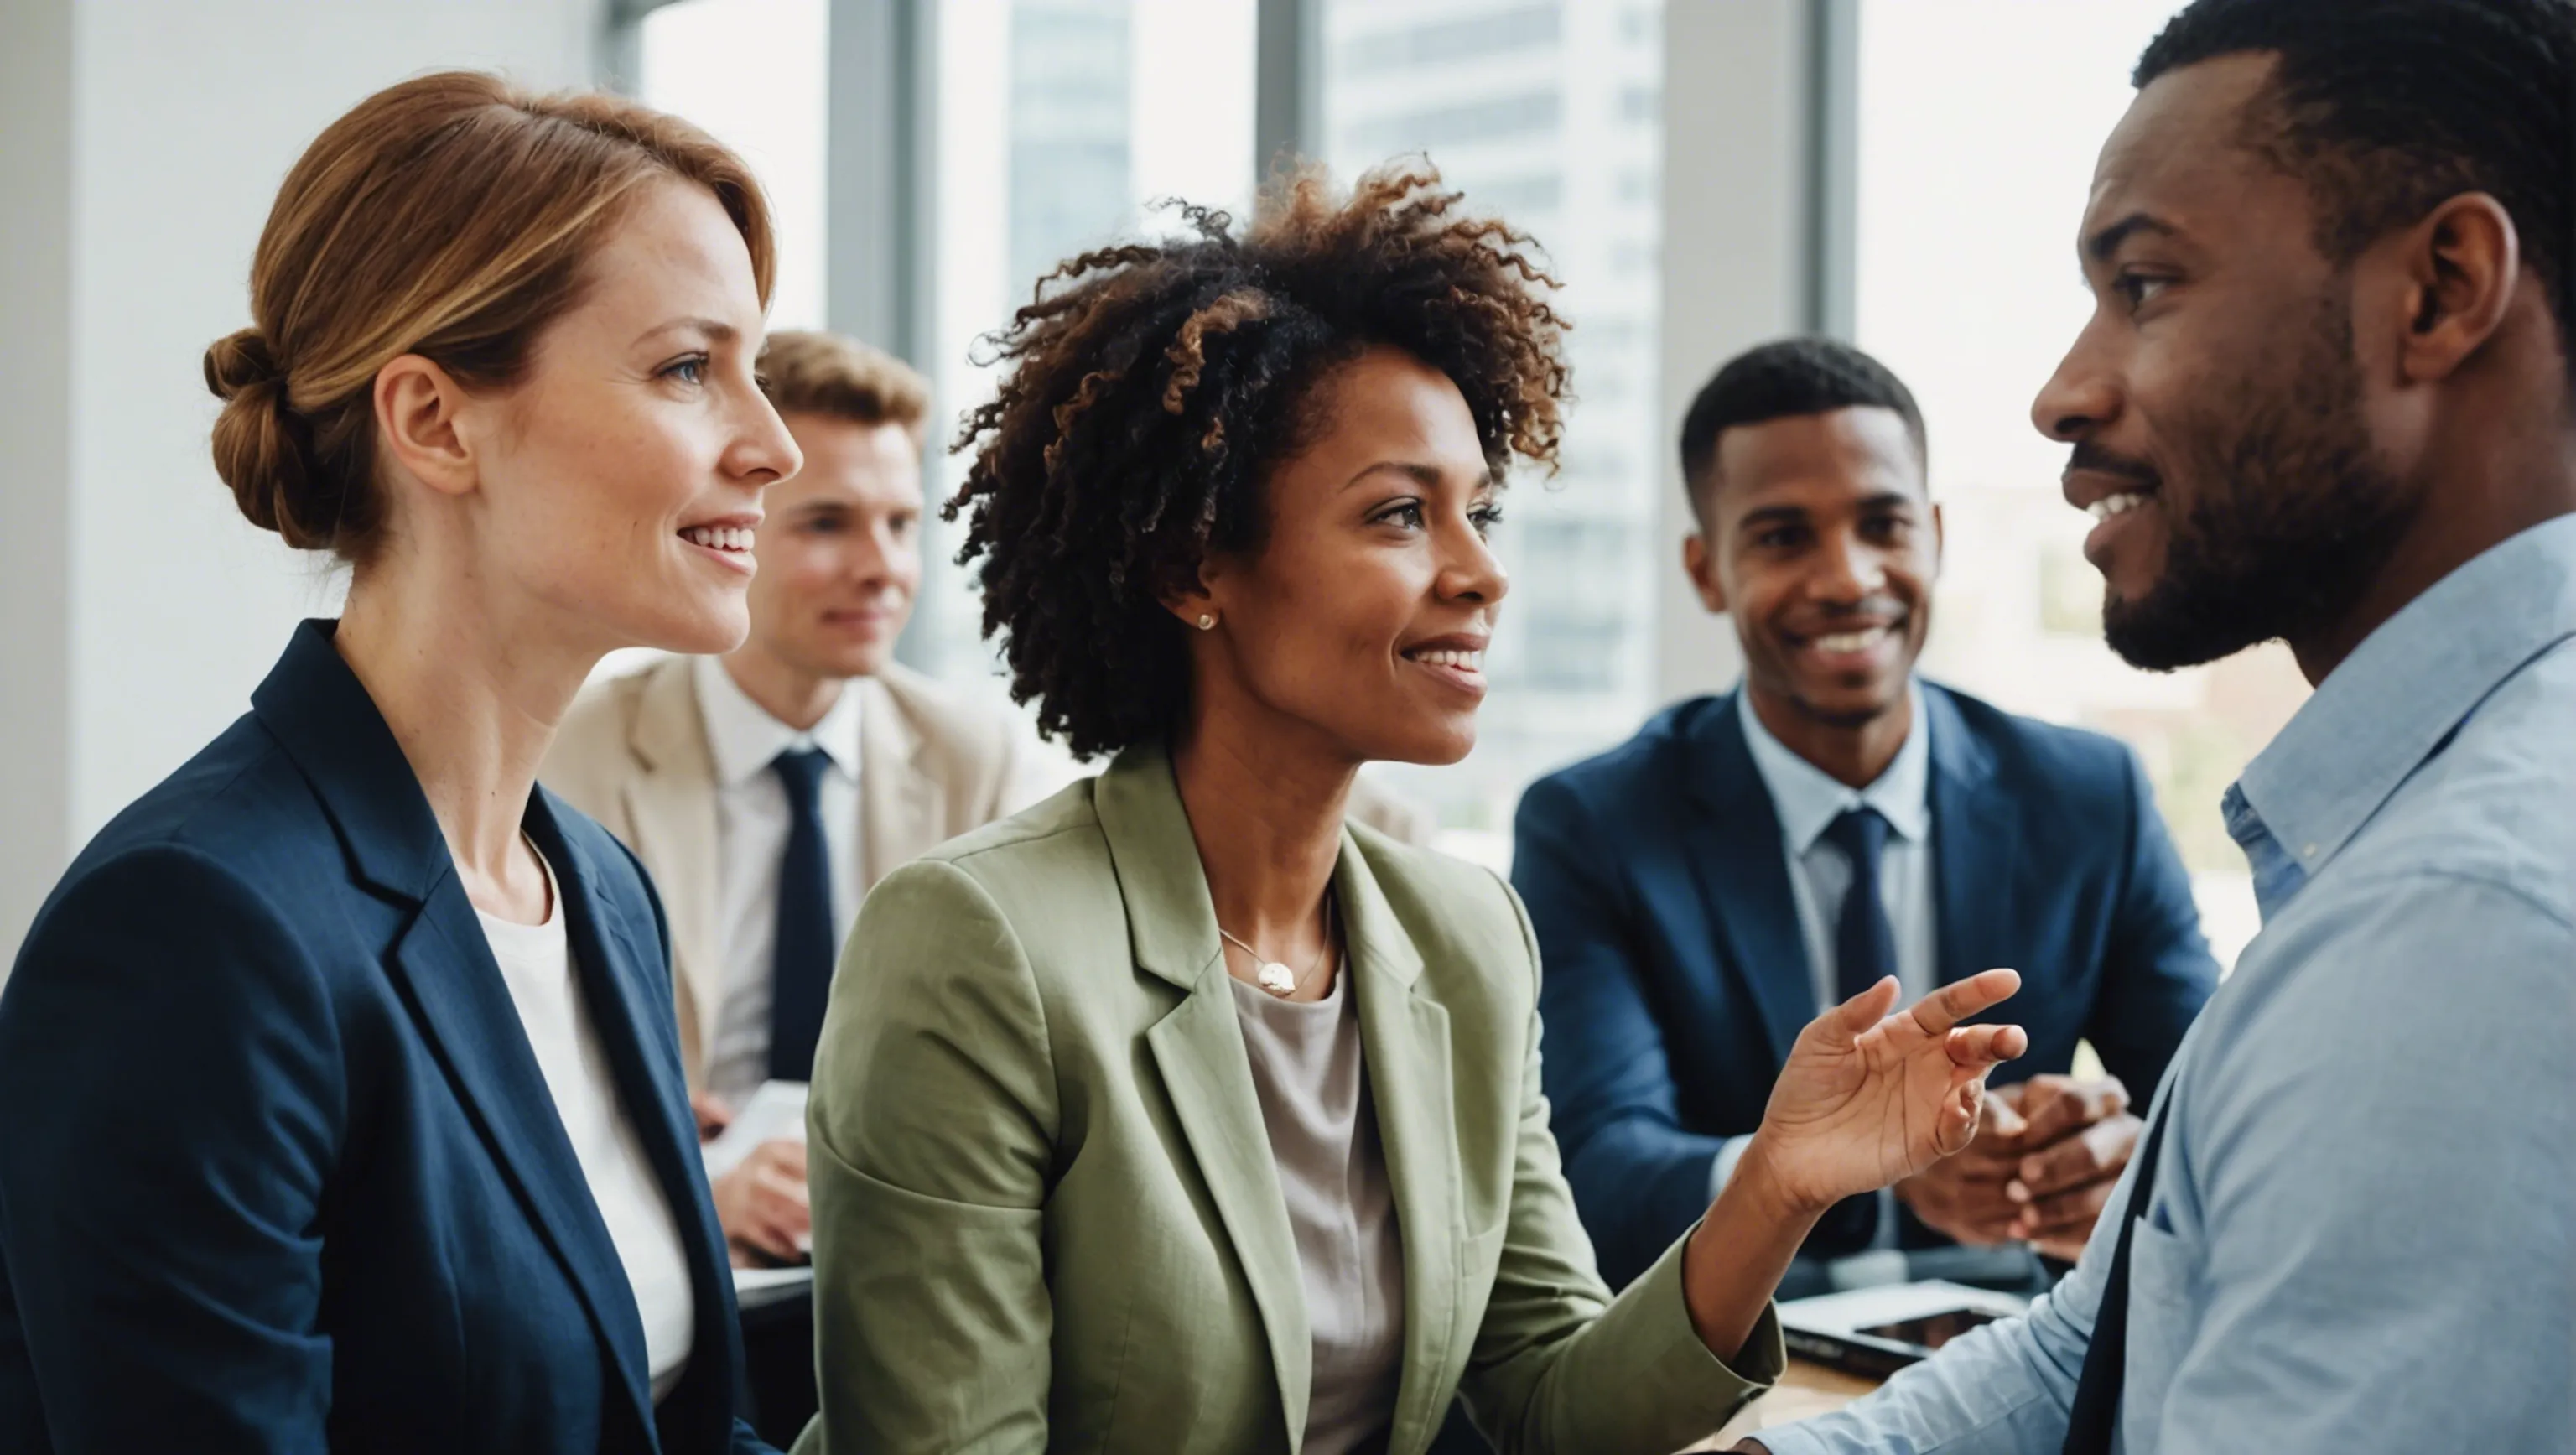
pixel 2294 517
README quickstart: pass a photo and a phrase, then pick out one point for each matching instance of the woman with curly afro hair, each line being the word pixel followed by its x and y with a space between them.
pixel 1178 1113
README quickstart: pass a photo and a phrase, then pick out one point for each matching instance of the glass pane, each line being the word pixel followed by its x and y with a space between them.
pixel 1059 122
pixel 1968 288
pixel 755 73
pixel 1547 113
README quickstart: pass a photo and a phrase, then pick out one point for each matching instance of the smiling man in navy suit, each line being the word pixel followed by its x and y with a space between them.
pixel 1702 890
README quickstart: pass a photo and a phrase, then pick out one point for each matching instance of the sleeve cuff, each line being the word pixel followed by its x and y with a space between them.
pixel 1693 1392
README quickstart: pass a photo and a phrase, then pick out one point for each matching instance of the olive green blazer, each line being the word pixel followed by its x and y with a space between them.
pixel 1045 1212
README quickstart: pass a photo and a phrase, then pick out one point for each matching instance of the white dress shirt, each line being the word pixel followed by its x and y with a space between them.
pixel 1807 800
pixel 536 964
pixel 752 820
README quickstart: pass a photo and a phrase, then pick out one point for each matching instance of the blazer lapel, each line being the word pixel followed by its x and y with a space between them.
pixel 898 803
pixel 1976 846
pixel 1733 846
pixel 455 991
pixel 1198 1049
pixel 622 1000
pixel 1405 1040
pixel 672 806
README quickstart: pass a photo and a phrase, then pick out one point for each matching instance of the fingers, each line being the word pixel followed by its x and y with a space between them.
pixel 1938 1012
pixel 2003 1121
pixel 763 1204
pixel 2065 1218
pixel 1838 1028
pixel 1957 1197
pixel 2057 1106
pixel 783 1156
pixel 1958 1122
pixel 787 1197
pixel 2095 1154
pixel 780 1214
pixel 1979 1047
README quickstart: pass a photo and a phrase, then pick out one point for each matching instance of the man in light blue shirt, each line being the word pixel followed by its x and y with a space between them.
pixel 2324 398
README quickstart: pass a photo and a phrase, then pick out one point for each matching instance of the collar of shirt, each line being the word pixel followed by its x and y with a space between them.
pixel 2395 702
pixel 745 739
pixel 1808 799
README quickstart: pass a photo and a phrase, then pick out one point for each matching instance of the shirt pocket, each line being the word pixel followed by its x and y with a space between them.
pixel 2163 1270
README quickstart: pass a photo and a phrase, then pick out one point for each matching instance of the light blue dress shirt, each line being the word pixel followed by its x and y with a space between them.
pixel 1806 799
pixel 2362 1233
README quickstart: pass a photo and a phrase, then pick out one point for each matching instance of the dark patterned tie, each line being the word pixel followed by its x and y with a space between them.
pixel 801 960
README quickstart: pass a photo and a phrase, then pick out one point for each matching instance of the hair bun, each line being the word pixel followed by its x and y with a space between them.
pixel 263 447
pixel 240 360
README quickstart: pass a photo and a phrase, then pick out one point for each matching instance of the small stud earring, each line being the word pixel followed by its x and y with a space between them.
pixel 1207 622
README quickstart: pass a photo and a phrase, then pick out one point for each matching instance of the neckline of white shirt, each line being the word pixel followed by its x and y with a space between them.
pixel 549 931
pixel 744 738
pixel 1808 799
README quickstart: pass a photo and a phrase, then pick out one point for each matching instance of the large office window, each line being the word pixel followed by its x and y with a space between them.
pixel 1060 123
pixel 1979 124
pixel 1548 114
pixel 753 72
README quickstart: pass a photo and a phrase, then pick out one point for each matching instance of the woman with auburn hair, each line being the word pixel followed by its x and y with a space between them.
pixel 340 1103
pixel 1179 1113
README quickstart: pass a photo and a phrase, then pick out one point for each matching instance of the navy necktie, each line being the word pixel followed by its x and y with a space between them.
pixel 1864 954
pixel 1864 945
pixel 801 958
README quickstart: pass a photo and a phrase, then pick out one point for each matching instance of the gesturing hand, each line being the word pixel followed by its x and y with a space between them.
pixel 1870 1098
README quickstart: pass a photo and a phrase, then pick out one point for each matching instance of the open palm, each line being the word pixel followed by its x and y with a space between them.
pixel 1869 1098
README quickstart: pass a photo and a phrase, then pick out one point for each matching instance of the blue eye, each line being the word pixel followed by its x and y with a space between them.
pixel 690 370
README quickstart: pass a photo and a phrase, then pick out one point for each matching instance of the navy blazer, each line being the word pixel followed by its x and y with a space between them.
pixel 278 1170
pixel 1677 979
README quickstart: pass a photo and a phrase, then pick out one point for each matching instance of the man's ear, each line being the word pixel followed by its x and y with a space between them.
pixel 418 407
pixel 1940 538
pixel 1699 562
pixel 2463 266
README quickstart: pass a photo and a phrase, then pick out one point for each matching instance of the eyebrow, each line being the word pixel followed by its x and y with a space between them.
pixel 1426 476
pixel 715 331
pixel 1797 514
pixel 1772 515
pixel 2102 245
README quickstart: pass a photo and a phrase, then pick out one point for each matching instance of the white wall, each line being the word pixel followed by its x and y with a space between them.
pixel 138 625
pixel 35 452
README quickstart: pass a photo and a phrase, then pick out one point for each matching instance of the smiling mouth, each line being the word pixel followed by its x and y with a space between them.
pixel 1858 639
pixel 1450 657
pixel 730 539
pixel 2110 506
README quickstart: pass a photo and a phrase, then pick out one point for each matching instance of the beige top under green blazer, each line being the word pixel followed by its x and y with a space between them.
pixel 1045 1214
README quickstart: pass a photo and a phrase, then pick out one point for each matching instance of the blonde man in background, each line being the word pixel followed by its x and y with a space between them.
pixel 767 789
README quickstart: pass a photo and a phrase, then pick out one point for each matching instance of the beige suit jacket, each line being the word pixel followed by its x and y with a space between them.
pixel 632 753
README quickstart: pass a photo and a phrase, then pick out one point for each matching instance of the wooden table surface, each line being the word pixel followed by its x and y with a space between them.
pixel 1804 1390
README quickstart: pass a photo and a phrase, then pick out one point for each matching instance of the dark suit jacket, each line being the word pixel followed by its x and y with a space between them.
pixel 278 1170
pixel 1677 980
